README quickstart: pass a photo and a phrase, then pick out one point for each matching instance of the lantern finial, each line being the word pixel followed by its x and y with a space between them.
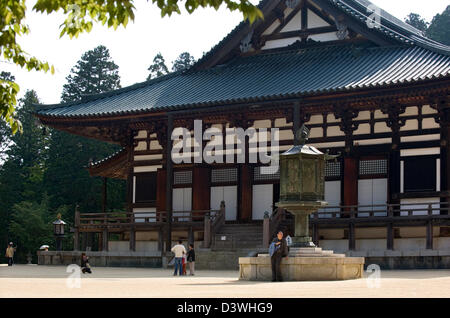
pixel 303 134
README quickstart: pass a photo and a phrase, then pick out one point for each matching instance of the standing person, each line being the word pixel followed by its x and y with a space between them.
pixel 85 267
pixel 278 250
pixel 10 253
pixel 191 259
pixel 179 250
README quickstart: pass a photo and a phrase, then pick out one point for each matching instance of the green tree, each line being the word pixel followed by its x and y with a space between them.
pixel 416 21
pixel 94 73
pixel 439 29
pixel 30 227
pixel 66 178
pixel 158 68
pixel 5 131
pixel 22 171
pixel 183 62
pixel 80 16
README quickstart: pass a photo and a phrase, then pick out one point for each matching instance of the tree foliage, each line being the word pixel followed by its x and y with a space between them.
pixel 416 21
pixel 439 29
pixel 183 62
pixel 94 73
pixel 66 178
pixel 80 16
pixel 158 67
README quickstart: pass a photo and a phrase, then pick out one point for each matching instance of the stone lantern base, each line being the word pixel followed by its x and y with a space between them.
pixel 303 264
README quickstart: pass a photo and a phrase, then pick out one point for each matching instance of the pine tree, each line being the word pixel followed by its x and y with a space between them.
pixel 66 177
pixel 183 62
pixel 416 21
pixel 439 29
pixel 158 68
pixel 22 171
pixel 95 73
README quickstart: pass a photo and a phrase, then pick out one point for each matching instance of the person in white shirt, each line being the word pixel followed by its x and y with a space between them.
pixel 179 250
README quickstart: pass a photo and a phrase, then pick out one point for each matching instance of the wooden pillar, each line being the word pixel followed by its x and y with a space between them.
pixel 296 123
pixel 76 234
pixel 191 235
pixel 83 241
pixel 429 235
pixel 390 236
pixel 161 195
pixel 444 114
pixel 351 236
pixel 130 178
pixel 201 191
pixel 169 181
pixel 394 169
pixel 160 239
pixel 246 192
pixel 105 240
pixel 104 194
pixel 266 231
pixel 350 184
pixel 100 242
pixel 207 232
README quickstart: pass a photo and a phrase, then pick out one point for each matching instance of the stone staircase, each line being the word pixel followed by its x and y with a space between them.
pixel 237 236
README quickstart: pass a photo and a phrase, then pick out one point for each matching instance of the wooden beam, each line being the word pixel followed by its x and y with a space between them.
pixel 299 33
pixel 169 181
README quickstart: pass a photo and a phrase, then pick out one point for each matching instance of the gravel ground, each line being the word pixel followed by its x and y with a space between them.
pixel 54 281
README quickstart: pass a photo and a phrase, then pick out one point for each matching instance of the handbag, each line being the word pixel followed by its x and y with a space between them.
pixel 273 248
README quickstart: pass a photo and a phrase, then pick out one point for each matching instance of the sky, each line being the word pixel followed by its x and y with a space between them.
pixel 134 47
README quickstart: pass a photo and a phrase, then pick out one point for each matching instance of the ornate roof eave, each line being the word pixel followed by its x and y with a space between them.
pixel 114 166
pixel 111 122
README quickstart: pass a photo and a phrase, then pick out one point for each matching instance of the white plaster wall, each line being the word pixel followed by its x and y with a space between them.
pixel 314 21
pixel 441 243
pixel 147 168
pixel 370 244
pixel 334 131
pixel 118 246
pixel 334 245
pixel 408 244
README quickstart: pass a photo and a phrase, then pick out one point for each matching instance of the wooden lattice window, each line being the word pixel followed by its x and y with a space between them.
pixel 228 175
pixel 333 170
pixel 373 167
pixel 266 173
pixel 182 177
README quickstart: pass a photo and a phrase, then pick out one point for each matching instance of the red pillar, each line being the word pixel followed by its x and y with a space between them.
pixel 201 190
pixel 246 193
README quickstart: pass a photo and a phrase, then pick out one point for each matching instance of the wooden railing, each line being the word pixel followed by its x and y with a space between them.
pixel 213 223
pixel 378 211
pixel 137 218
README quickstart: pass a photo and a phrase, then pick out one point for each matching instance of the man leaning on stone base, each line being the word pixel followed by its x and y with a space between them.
pixel 277 250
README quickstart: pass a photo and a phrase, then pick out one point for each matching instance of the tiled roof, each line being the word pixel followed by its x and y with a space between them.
pixel 267 76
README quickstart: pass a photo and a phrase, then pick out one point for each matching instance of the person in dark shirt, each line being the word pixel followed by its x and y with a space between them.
pixel 281 250
pixel 85 267
pixel 190 257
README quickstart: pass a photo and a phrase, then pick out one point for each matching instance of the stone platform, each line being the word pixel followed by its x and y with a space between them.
pixel 303 264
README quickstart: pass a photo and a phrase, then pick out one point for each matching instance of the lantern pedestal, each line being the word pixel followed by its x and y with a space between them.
pixel 301 211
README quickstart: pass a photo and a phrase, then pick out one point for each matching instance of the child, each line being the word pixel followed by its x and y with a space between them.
pixel 191 259
pixel 85 267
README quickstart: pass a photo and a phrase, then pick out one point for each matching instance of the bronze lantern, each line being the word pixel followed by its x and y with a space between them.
pixel 302 185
